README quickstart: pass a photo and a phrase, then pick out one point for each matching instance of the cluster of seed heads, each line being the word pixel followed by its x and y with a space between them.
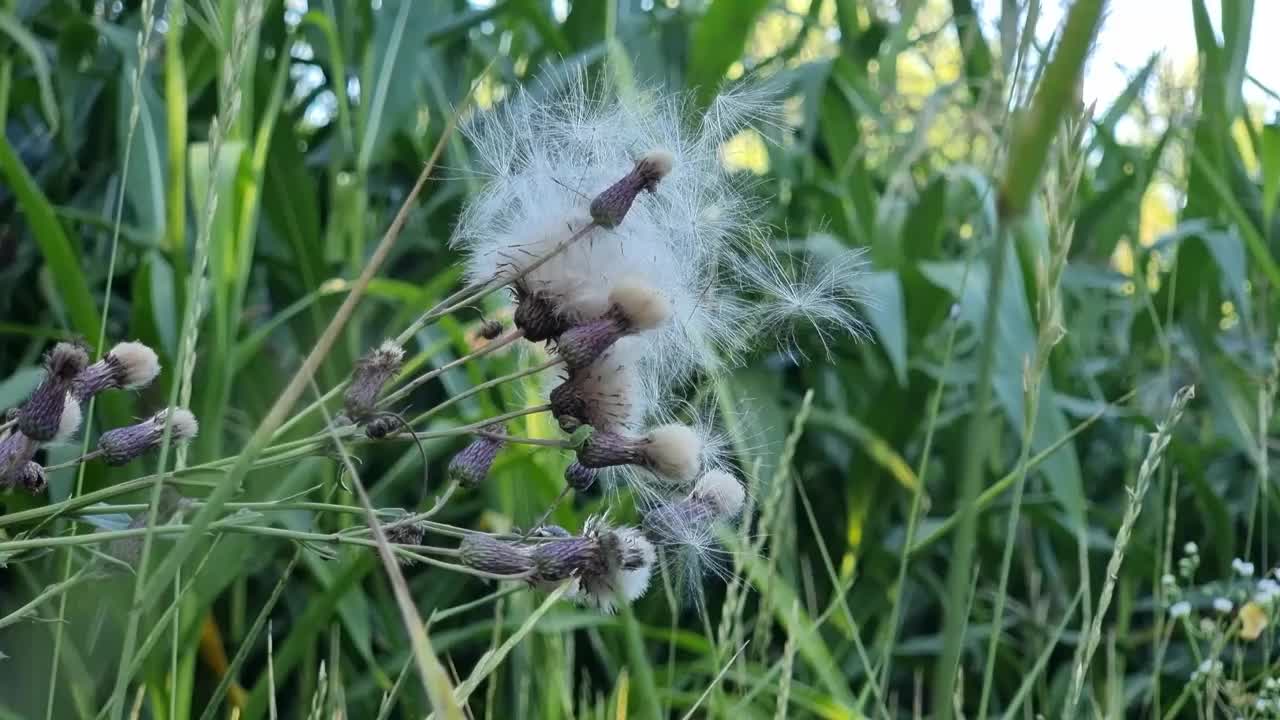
pixel 53 411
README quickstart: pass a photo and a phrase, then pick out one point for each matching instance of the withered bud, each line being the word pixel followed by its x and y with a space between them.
pixel 41 416
pixel 404 534
pixel 32 478
pixel 371 373
pixel 490 329
pixel 129 366
pixel 579 477
pixel 125 444
pixel 471 466
pixel 481 552
pixel 610 207
pixel 537 316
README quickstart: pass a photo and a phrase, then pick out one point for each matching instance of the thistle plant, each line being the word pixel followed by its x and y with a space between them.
pixel 632 258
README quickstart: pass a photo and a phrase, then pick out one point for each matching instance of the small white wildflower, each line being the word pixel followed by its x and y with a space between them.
pixel 1223 605
pixel 1168 580
pixel 1242 568
pixel 1180 609
pixel 1190 549
pixel 1268 588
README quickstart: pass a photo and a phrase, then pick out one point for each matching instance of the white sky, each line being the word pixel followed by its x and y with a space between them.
pixel 1134 29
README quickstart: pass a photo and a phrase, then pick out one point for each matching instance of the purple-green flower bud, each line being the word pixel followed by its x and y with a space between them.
pixel 371 373
pixel 471 466
pixel 610 207
pixel 16 450
pixel 40 417
pixel 579 477
pixel 125 444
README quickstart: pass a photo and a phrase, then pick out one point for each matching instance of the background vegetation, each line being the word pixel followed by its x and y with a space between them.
pixel 1045 278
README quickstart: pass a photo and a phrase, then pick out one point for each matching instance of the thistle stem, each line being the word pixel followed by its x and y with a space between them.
pixel 461 298
pixel 426 377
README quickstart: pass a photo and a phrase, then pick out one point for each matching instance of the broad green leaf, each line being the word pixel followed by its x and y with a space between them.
pixel 1015 341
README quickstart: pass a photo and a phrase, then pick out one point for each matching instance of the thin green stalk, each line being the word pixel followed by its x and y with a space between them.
pixel 978 440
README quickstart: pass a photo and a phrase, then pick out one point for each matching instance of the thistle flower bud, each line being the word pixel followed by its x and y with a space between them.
pixel 481 552
pixel 123 445
pixel 490 329
pixel 41 416
pixel 671 451
pixel 610 207
pixel 16 449
pixel 370 374
pixel 129 366
pixel 471 466
pixel 579 477
pixel 717 496
pixel 634 306
pixel 608 566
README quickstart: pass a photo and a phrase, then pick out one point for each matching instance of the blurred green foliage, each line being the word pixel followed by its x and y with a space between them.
pixel 900 121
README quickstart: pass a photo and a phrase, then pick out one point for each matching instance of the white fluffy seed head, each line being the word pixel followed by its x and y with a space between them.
pixel 722 491
pixel 390 353
pixel 658 162
pixel 139 363
pixel 69 423
pixel 640 303
pixel 673 452
pixel 633 580
pixel 184 426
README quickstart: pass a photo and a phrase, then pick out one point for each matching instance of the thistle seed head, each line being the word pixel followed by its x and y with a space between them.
pixel 129 366
pixel 670 451
pixel 471 466
pixel 41 416
pixel 481 552
pixel 634 306
pixel 123 445
pixel 673 451
pixel 610 207
pixel 371 373
pixel 722 492
pixel 606 566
